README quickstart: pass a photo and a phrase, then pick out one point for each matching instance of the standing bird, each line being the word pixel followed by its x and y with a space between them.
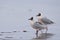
pixel 36 26
pixel 44 21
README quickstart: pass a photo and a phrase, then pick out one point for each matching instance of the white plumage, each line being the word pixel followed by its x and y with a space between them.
pixel 44 21
pixel 36 25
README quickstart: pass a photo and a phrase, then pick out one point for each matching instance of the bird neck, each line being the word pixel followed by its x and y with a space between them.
pixel 39 17
pixel 32 22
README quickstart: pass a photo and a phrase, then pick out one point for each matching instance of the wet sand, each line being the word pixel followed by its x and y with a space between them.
pixel 24 36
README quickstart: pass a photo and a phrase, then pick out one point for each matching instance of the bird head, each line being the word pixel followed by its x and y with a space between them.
pixel 38 14
pixel 31 18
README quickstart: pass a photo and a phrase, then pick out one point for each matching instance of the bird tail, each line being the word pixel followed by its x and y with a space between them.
pixel 52 22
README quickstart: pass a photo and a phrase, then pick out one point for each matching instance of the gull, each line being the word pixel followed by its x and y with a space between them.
pixel 36 25
pixel 44 21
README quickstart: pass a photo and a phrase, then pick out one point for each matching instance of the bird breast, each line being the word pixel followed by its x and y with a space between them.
pixel 31 23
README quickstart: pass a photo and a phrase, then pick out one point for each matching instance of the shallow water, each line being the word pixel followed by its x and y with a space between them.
pixel 25 36
pixel 14 15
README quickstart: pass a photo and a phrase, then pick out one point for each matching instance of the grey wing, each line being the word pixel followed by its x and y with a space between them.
pixel 47 21
pixel 37 26
pixel 39 23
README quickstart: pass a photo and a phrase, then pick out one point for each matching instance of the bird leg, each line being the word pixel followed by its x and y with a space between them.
pixel 46 29
pixel 36 33
pixel 41 31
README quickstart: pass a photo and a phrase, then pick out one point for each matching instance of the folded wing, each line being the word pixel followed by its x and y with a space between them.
pixel 38 26
pixel 46 21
